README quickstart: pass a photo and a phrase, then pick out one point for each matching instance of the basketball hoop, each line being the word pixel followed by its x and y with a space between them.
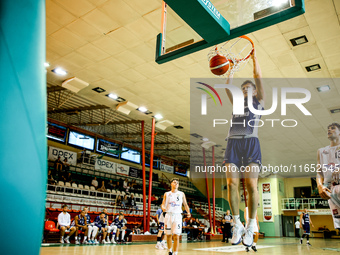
pixel 236 52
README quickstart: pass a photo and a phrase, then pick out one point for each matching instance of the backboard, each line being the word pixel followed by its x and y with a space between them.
pixel 192 25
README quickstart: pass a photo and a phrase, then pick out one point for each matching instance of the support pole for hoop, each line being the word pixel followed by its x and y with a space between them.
pixel 207 185
pixel 144 179
pixel 151 168
pixel 213 190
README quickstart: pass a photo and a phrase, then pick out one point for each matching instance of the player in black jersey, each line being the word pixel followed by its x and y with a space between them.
pixel 305 222
pixel 80 222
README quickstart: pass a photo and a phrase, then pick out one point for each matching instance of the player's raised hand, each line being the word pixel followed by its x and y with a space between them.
pixel 324 192
pixel 253 54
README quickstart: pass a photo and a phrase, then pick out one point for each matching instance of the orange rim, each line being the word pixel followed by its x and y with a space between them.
pixel 252 45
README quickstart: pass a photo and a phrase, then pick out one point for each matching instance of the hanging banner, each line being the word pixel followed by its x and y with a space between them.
pixel 267 203
pixel 105 165
pixel 54 152
pixel 165 167
pixel 135 172
pixel 122 169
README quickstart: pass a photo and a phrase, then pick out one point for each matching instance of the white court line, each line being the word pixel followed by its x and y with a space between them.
pixel 232 248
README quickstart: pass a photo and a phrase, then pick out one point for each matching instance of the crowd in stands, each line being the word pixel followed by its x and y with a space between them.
pixel 109 231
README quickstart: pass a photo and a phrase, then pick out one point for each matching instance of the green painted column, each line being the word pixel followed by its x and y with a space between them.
pixel 23 150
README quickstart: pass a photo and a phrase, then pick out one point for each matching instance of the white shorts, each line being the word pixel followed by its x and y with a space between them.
pixel 173 223
pixel 334 205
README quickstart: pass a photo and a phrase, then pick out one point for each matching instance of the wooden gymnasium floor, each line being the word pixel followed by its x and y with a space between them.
pixel 266 246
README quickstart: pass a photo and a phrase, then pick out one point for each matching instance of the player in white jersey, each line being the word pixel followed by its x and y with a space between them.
pixel 172 205
pixel 328 176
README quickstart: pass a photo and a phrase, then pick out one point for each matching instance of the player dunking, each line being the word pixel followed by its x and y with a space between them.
pixel 327 178
pixel 307 221
pixel 172 205
pixel 243 150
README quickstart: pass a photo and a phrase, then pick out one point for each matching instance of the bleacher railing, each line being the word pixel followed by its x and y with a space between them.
pixel 303 203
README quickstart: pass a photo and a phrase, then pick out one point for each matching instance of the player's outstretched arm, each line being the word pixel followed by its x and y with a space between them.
pixel 323 191
pixel 186 206
pixel 229 81
pixel 163 203
pixel 301 215
pixel 258 78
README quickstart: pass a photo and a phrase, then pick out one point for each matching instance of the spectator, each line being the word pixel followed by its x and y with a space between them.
pixel 94 183
pixel 134 185
pixel 228 220
pixel 160 200
pixel 85 156
pixel 58 165
pixel 51 179
pixel 126 186
pixel 66 165
pixel 195 229
pixel 297 228
pixel 136 230
pixel 69 178
pixel 132 203
pixel 125 201
pixel 153 198
pixel 119 200
pixel 224 232
pixel 102 188
pixel 190 232
pixel 111 185
pixel 64 223
pixel 130 186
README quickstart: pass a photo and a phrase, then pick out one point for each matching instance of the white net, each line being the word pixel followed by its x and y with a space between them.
pixel 237 51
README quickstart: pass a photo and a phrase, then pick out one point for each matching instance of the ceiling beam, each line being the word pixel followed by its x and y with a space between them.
pixel 78 109
pixel 54 89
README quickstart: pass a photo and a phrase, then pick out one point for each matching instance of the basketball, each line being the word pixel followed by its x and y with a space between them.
pixel 219 65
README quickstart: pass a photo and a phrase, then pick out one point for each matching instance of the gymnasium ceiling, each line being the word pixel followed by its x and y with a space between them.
pixel 111 44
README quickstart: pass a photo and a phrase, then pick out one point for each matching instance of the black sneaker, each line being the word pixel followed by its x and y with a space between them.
pixel 309 244
pixel 247 249
pixel 300 241
pixel 170 252
pixel 223 241
pixel 254 248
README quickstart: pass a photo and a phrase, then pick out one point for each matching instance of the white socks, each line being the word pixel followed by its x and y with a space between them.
pixel 237 219
pixel 252 222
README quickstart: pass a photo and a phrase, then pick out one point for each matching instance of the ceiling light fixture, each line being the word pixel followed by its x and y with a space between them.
pixel 158 117
pixel 59 71
pixel 323 88
pixel 335 110
pixel 142 109
pixel 299 40
pixel 99 90
pixel 112 96
pixel 313 68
